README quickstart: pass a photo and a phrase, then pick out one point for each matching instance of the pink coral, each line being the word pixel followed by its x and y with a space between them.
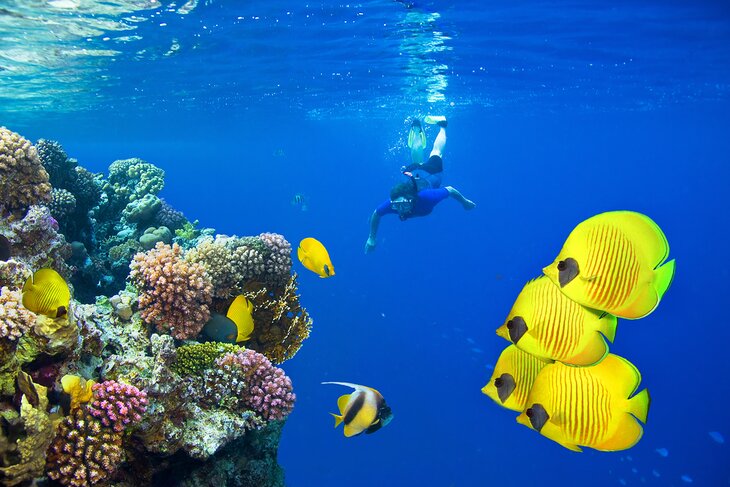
pixel 268 391
pixel 174 294
pixel 116 405
pixel 15 320
pixel 23 180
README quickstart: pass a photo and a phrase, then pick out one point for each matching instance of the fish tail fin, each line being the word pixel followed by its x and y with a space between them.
pixel 338 419
pixel 663 277
pixel 607 326
pixel 639 405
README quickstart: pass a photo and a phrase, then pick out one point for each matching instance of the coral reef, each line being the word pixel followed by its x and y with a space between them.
pixel 174 293
pixel 120 390
pixel 23 180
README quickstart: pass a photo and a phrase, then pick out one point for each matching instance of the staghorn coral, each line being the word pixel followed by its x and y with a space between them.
pixel 23 180
pixel 174 294
pixel 15 320
pixel 195 358
pixel 282 324
pixel 266 389
pixel 117 405
pixel 84 452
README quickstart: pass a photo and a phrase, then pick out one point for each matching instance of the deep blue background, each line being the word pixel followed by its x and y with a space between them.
pixel 416 318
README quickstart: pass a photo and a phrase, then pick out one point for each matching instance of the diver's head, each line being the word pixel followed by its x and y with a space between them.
pixel 403 205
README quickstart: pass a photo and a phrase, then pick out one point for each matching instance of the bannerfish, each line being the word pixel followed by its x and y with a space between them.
pixel 299 200
pixel 588 406
pixel 614 262
pixel 314 256
pixel 241 313
pixel 512 378
pixel 546 323
pixel 46 293
pixel 364 410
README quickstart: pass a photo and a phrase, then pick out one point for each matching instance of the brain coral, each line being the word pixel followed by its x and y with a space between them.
pixel 23 180
pixel 174 294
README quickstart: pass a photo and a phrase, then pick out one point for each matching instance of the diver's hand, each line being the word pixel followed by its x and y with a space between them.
pixel 370 245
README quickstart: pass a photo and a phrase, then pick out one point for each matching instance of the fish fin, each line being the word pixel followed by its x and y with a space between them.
pixel 594 351
pixel 347 384
pixel 338 419
pixel 301 254
pixel 619 375
pixel 553 430
pixel 639 405
pixel 663 277
pixel 342 403
pixel 351 430
pixel 607 326
pixel 628 432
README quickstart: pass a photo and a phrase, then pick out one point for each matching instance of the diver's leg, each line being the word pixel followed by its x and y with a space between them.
pixel 374 223
pixel 440 143
pixel 465 202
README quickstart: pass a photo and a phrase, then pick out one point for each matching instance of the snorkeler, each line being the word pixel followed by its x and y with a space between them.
pixel 420 194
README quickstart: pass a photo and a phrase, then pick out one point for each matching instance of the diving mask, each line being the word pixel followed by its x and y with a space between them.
pixel 402 205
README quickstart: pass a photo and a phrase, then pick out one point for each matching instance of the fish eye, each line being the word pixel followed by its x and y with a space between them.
pixel 561 265
pixel 498 382
pixel 529 412
pixel 510 325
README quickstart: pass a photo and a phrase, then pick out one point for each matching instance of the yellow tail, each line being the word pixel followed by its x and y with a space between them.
pixel 338 419
pixel 639 405
pixel 607 326
pixel 663 277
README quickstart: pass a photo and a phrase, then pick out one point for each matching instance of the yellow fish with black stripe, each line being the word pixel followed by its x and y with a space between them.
pixel 513 377
pixel 613 262
pixel 588 406
pixel 546 323
pixel 364 410
pixel 46 293
pixel 314 256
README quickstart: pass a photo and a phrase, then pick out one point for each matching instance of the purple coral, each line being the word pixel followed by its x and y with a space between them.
pixel 116 405
pixel 268 390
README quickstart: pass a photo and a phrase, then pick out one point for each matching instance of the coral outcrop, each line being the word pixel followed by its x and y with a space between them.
pixel 23 180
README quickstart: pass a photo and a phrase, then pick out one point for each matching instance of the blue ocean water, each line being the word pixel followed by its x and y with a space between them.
pixel 557 111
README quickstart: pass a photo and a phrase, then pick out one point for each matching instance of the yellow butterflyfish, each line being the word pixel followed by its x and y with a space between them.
pixel 47 293
pixel 364 410
pixel 241 313
pixel 546 323
pixel 314 256
pixel 512 378
pixel 613 262
pixel 588 406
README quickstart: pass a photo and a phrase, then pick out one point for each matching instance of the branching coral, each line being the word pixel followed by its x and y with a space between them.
pixel 195 358
pixel 23 180
pixel 174 293
pixel 63 203
pixel 117 405
pixel 278 259
pixel 266 389
pixel 84 452
pixel 282 324
pixel 15 319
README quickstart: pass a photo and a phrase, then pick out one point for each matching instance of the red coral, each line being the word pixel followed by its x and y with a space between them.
pixel 174 294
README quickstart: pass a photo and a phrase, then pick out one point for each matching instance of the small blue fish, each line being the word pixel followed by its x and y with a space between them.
pixel 655 473
pixel 687 479
pixel 663 452
pixel 717 436
pixel 299 200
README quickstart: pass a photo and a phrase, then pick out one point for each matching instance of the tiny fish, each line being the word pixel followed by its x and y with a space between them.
pixel 717 436
pixel 663 452
pixel 687 479
pixel 655 473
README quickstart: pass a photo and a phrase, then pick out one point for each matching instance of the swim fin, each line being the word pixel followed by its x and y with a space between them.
pixel 416 136
pixel 435 119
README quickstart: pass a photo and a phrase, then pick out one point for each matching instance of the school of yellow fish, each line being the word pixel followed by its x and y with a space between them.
pixel 558 372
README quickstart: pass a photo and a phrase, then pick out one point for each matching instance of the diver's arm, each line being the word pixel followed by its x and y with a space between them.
pixel 374 223
pixel 465 202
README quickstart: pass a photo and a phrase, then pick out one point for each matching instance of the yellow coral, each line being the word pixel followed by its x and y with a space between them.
pixel 282 323
pixel 78 388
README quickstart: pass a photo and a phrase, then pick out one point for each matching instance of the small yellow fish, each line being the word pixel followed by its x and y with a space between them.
pixel 47 293
pixel 613 262
pixel 588 406
pixel 78 388
pixel 314 256
pixel 241 313
pixel 513 377
pixel 364 410
pixel 546 323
